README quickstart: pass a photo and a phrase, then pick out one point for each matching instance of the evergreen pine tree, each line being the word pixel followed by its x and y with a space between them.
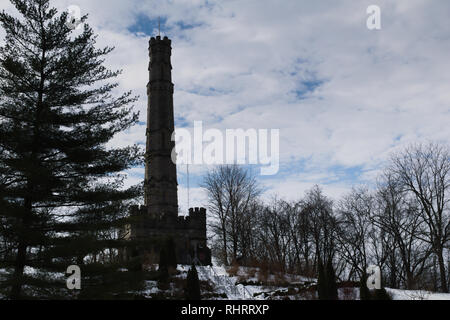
pixel 193 285
pixel 61 194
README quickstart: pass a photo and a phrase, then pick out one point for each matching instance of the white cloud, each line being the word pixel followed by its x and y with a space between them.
pixel 378 89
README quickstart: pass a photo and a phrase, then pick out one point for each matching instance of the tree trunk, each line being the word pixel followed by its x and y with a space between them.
pixel 442 273
pixel 410 285
pixel 225 253
pixel 19 266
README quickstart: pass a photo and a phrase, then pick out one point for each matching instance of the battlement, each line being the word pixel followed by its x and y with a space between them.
pixel 157 41
pixel 196 220
pixel 197 212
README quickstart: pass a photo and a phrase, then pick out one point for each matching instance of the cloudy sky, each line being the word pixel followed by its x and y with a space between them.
pixel 343 97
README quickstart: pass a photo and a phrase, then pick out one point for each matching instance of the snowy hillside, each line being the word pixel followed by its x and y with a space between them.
pixel 250 284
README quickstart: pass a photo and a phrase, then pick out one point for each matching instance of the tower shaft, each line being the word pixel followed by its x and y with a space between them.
pixel 160 171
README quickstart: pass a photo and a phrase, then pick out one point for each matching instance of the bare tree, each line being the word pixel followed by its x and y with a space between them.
pixel 301 244
pixel 274 234
pixel 322 224
pixel 400 216
pixel 247 232
pixel 424 171
pixel 354 212
pixel 231 190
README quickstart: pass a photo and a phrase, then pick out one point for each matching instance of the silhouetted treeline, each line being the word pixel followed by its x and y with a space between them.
pixel 402 224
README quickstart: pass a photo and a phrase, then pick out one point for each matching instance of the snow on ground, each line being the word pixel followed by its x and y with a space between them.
pixel 245 284
pixel 252 289
pixel 398 294
pixel 151 287
pixel 223 283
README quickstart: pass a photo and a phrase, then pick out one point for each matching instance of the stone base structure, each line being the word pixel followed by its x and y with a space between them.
pixel 188 234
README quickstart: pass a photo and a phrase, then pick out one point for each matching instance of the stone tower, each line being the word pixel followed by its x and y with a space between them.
pixel 160 170
pixel 157 220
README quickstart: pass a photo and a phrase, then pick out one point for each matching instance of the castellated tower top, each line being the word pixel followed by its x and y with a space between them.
pixel 165 40
pixel 160 52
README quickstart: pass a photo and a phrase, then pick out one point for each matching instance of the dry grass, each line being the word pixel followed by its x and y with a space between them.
pixel 308 294
pixel 280 280
pixel 251 272
pixel 263 274
pixel 233 270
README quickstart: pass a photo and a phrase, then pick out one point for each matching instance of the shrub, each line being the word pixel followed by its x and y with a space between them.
pixel 192 291
pixel 331 282
pixel 321 282
pixel 326 282
pixel 380 294
pixel 364 293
